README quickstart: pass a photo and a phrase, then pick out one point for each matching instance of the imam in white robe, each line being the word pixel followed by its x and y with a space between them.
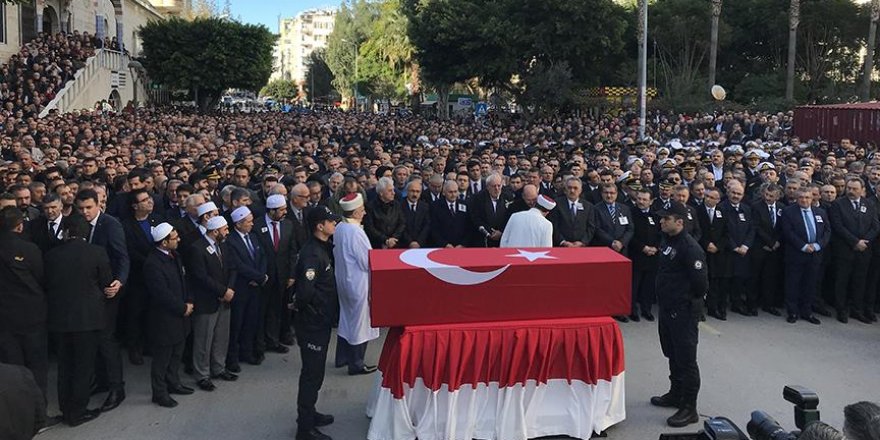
pixel 528 229
pixel 351 254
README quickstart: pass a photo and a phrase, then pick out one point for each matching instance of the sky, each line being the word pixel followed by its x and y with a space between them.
pixel 266 11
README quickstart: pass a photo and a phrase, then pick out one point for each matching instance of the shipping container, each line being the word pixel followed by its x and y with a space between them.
pixel 857 122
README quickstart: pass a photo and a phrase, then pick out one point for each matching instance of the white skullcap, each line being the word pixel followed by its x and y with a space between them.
pixel 240 213
pixel 215 223
pixel 160 231
pixel 205 208
pixel 546 202
pixel 275 201
pixel 351 202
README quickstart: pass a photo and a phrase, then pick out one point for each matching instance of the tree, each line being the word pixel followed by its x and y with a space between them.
pixel 794 18
pixel 281 89
pixel 228 55
pixel 865 92
pixel 682 46
pixel 319 78
pixel 830 40
pixel 351 29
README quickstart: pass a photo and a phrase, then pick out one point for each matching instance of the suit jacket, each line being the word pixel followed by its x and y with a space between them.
pixel 581 227
pixel 715 232
pixel 189 232
pixel 301 232
pixel 646 232
pixel 484 216
pixel 794 233
pixel 168 298
pixel 23 405
pixel 766 234
pixel 384 221
pixel 418 223
pixel 849 226
pixel 22 299
pixel 280 263
pixel 41 236
pixel 447 228
pixel 608 229
pixel 75 286
pixel 208 276
pixel 245 268
pixel 108 233
pixel 139 245
pixel 740 232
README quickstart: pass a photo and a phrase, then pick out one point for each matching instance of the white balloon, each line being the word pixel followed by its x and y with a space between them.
pixel 718 92
pixel 444 272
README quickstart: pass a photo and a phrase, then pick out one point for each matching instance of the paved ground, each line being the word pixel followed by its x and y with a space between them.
pixel 745 362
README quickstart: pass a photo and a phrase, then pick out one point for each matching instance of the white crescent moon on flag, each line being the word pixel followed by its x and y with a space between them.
pixel 451 274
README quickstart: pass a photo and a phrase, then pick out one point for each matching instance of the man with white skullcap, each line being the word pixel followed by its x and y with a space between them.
pixel 351 253
pixel 530 228
pixel 247 259
pixel 210 283
pixel 170 308
pixel 275 233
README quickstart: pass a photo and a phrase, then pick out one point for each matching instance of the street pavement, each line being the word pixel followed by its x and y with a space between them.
pixel 744 364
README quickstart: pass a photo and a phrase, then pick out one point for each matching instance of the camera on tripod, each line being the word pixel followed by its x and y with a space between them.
pixel 761 426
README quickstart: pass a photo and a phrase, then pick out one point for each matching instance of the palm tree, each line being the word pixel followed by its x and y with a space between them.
pixel 865 92
pixel 713 44
pixel 794 18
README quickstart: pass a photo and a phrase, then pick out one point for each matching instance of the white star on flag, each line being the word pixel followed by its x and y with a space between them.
pixel 532 256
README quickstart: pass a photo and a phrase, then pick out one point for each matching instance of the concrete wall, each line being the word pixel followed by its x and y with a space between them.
pixel 11 43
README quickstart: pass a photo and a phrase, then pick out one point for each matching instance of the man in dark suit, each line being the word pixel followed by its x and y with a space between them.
pixel 139 244
pixel 417 215
pixel 211 285
pixel 806 234
pixel 75 296
pixel 247 260
pixel 23 339
pixel 644 248
pixel 450 221
pixel 614 227
pixel 107 232
pixel 766 257
pixel 46 230
pixel 188 225
pixel 855 225
pixel 573 219
pixel 275 233
pixel 170 308
pixel 741 238
pixel 297 211
pixel 384 223
pixel 22 403
pixel 488 210
pixel 681 194
pixel 434 189
pixel 715 243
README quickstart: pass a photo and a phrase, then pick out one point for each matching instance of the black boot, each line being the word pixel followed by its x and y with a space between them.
pixel 686 415
pixel 665 401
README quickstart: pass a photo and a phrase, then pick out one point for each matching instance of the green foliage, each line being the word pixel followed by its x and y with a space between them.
pixel 549 88
pixel 227 55
pixel 319 78
pixel 280 89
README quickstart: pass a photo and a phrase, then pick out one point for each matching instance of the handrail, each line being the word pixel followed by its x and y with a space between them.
pixel 102 59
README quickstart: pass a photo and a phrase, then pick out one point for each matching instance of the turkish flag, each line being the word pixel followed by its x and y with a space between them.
pixel 448 286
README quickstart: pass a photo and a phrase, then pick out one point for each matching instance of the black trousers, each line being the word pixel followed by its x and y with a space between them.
pixel 801 282
pixel 269 328
pixel 350 355
pixel 850 279
pixel 764 287
pixel 165 369
pixel 76 365
pixel 29 349
pixel 313 346
pixel 873 285
pixel 134 316
pixel 243 327
pixel 108 370
pixel 643 293
pixel 678 340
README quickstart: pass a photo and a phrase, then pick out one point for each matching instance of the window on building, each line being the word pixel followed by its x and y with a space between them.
pixel 3 23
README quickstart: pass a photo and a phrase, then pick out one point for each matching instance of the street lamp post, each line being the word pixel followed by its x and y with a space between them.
pixel 643 65
pixel 356 93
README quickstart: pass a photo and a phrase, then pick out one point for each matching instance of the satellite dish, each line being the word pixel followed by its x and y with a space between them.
pixel 718 92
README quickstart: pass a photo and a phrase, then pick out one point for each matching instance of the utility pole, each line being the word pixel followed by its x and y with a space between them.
pixel 643 65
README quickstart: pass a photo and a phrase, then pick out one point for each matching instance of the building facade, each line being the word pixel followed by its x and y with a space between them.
pixel 299 37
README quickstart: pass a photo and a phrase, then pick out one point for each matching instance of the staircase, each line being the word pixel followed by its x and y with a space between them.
pixel 106 75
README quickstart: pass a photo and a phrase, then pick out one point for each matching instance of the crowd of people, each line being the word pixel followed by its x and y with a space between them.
pixel 216 207
pixel 32 77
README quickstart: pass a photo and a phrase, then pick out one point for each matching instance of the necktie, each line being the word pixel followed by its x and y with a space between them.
pixel 475 188
pixel 574 211
pixel 711 212
pixel 250 247
pixel 452 209
pixel 613 211
pixel 772 215
pixel 91 233
pixel 412 207
pixel 856 205
pixel 218 252
pixel 276 236
pixel 53 229
pixel 811 230
pixel 299 216
pixel 666 204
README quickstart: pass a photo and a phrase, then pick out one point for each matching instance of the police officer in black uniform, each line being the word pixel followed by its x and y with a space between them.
pixel 682 281
pixel 316 306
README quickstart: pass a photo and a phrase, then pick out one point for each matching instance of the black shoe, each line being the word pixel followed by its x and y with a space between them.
pixel 287 340
pixel 737 309
pixel 165 401
pixel 791 319
pixel 88 416
pixel 181 390
pixel 822 310
pixel 314 434
pixel 188 369
pixel 634 317
pixel 323 419
pixel 685 416
pixel 98 389
pixel 226 376
pixel 721 315
pixel 648 316
pixel 811 319
pixel 233 367
pixel 858 316
pixel 621 318
pixel 752 311
pixel 113 400
pixel 366 369
pixel 135 357
pixel 771 311
pixel 842 317
pixel 278 349
pixel 871 316
pixel 206 385
pixel 665 401
pixel 256 360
